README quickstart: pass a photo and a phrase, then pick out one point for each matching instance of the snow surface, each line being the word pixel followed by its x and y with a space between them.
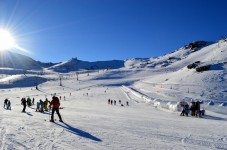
pixel 151 121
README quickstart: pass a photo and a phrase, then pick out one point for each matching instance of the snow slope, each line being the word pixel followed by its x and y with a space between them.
pixel 174 82
pixel 149 122
pixel 91 123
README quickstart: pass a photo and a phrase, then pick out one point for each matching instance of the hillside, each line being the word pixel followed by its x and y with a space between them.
pixel 75 65
pixel 172 78
pixel 17 61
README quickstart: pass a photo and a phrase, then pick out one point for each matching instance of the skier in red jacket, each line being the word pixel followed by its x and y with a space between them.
pixel 55 104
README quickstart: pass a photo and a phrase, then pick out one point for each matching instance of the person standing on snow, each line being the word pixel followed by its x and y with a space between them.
pixel 33 101
pixel 29 101
pixel 23 102
pixel 46 104
pixel 55 104
pixel 5 103
pixel 38 107
pixel 9 105
pixel 41 105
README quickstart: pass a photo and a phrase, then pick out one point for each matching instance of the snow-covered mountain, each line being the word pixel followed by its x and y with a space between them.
pixel 177 58
pixel 18 61
pixel 198 73
pixel 181 66
pixel 74 65
pixel 197 53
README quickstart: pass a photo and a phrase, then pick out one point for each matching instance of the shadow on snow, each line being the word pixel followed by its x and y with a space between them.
pixel 214 118
pixel 79 132
pixel 29 113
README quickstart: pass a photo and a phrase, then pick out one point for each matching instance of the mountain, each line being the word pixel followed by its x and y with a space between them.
pixel 189 73
pixel 17 61
pixel 74 65
pixel 168 60
pixel 195 55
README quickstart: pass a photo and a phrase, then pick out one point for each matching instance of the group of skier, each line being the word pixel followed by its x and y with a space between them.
pixel 114 102
pixel 194 109
pixel 42 106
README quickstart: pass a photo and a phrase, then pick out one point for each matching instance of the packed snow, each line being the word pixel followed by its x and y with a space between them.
pixel 153 89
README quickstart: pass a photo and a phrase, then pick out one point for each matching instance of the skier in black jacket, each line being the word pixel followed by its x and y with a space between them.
pixel 23 102
pixel 5 103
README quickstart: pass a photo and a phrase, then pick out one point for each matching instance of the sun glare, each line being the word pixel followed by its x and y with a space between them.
pixel 6 40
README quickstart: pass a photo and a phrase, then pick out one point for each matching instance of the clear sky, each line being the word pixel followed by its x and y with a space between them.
pixel 92 30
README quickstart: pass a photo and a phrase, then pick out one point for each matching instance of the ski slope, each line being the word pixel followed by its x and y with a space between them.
pixel 152 86
pixel 91 123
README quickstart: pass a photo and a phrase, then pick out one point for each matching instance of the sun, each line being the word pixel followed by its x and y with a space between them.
pixel 6 40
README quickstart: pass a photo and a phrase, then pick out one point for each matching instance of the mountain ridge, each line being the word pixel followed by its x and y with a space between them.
pixel 18 61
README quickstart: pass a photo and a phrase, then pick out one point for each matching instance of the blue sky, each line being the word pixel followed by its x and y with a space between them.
pixel 92 30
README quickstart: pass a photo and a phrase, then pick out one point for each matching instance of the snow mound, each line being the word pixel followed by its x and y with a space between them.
pixel 210 103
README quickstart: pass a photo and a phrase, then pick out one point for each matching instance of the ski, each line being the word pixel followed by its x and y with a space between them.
pixel 50 121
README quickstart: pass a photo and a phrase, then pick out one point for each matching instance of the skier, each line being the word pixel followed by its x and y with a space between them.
pixel 185 110
pixel 38 107
pixel 46 104
pixel 23 102
pixel 55 103
pixel 108 101
pixel 29 101
pixel 5 103
pixel 197 109
pixel 193 108
pixel 9 105
pixel 33 101
pixel 41 105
